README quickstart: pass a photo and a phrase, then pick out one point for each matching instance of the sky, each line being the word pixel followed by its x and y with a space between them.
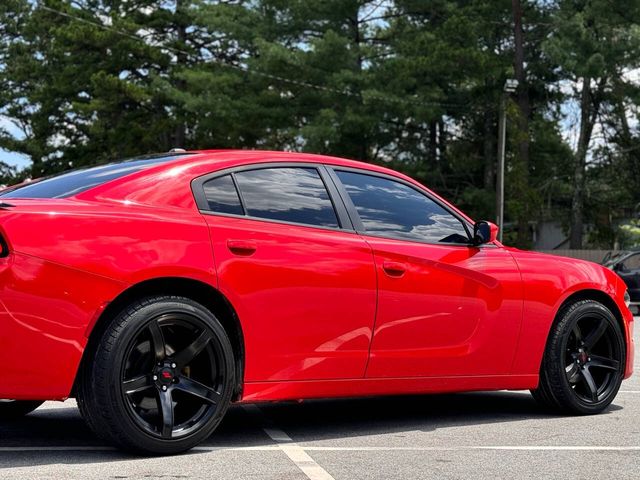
pixel 15 159
pixel 12 158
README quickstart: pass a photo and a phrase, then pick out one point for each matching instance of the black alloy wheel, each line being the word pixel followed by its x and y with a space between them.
pixel 171 380
pixel 584 360
pixel 163 374
pixel 593 358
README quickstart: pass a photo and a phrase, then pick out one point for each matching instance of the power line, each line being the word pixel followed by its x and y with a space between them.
pixel 373 10
pixel 246 69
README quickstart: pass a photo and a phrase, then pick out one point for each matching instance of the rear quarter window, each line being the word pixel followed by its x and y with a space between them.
pixel 222 196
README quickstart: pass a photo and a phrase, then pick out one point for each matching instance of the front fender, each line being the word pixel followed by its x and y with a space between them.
pixel 549 282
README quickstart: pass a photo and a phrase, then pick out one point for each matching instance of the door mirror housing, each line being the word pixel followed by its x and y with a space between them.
pixel 484 232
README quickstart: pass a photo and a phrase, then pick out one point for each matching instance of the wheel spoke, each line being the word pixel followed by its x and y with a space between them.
pixel 603 362
pixel 595 335
pixel 184 357
pixel 590 383
pixel 157 341
pixel 165 405
pixel 197 389
pixel 573 373
pixel 136 384
pixel 156 383
pixel 577 333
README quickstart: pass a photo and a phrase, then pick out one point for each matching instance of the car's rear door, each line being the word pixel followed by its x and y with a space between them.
pixel 445 307
pixel 303 283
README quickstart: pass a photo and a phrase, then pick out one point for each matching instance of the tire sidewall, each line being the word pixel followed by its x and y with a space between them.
pixel 566 325
pixel 113 352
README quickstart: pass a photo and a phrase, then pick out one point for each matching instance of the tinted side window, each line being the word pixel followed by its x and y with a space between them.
pixel 222 196
pixel 395 210
pixel 287 194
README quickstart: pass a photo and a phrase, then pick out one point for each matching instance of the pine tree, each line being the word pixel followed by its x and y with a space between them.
pixel 594 42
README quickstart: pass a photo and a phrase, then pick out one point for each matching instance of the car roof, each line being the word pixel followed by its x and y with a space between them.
pixel 294 157
pixel 175 176
pixel 201 162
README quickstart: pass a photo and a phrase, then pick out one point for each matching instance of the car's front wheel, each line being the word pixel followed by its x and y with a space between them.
pixel 11 409
pixel 161 377
pixel 583 363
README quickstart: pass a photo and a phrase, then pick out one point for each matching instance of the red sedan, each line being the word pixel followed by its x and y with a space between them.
pixel 158 290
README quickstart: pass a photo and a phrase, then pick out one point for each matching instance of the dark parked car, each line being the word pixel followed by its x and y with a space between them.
pixel 627 266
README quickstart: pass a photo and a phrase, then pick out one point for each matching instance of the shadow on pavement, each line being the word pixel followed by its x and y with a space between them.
pixel 307 421
pixel 331 419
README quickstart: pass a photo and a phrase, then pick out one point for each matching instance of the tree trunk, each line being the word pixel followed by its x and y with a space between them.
pixel 524 110
pixel 586 128
pixel 626 141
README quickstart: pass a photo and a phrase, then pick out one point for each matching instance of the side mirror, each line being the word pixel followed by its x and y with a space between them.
pixel 484 232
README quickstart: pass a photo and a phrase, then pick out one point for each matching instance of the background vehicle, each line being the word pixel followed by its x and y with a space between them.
pixel 160 289
pixel 627 266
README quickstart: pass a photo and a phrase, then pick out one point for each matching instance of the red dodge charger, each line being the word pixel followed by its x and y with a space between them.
pixel 158 290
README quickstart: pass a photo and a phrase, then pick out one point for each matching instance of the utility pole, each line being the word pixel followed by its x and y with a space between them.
pixel 510 86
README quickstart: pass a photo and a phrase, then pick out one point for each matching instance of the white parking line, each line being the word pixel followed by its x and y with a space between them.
pixel 542 448
pixel 296 454
pixel 576 448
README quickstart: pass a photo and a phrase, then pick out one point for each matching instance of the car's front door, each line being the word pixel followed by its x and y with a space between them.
pixel 302 282
pixel 444 306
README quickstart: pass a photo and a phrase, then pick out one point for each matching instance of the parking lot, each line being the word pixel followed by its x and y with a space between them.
pixel 469 435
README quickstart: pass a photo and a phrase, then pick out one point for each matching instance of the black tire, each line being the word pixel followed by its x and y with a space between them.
pixel 14 409
pixel 584 359
pixel 160 378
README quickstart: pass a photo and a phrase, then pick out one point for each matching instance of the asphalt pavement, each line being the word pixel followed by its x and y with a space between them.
pixel 467 435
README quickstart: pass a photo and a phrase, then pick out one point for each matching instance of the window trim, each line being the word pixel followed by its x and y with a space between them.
pixel 357 221
pixel 342 217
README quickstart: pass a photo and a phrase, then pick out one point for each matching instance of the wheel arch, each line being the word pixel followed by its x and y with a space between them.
pixel 537 331
pixel 551 391
pixel 196 290
pixel 596 295
pixel 608 301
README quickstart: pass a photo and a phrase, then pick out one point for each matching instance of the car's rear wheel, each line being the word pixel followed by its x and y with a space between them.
pixel 11 409
pixel 161 377
pixel 583 363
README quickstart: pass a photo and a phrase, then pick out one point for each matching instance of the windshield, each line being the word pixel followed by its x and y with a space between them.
pixel 618 257
pixel 75 181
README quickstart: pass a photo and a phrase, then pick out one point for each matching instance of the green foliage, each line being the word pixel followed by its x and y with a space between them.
pixel 630 234
pixel 407 83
